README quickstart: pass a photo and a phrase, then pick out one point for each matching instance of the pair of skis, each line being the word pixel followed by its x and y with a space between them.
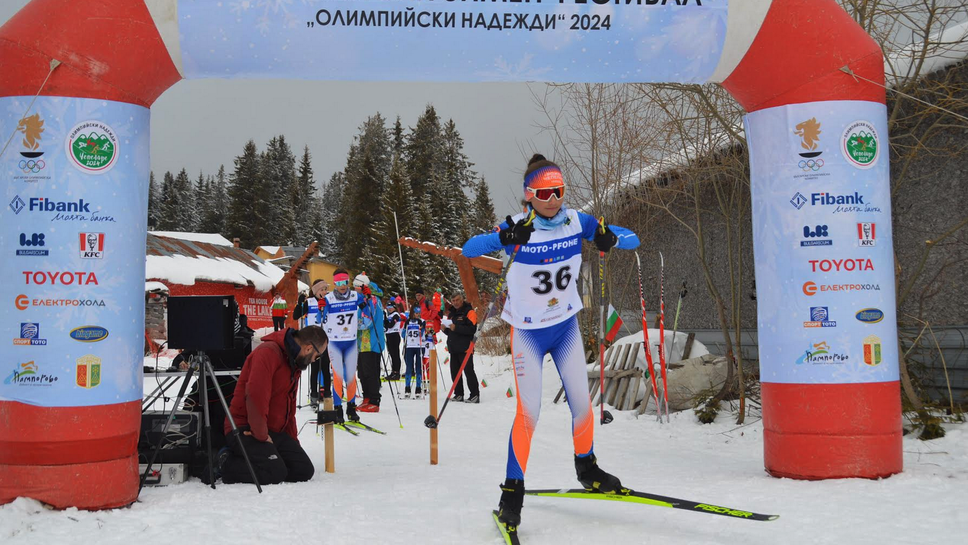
pixel 510 534
pixel 351 427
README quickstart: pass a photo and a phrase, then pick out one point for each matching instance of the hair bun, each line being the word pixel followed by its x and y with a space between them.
pixel 535 158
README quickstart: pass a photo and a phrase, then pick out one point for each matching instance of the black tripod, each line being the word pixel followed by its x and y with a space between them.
pixel 203 365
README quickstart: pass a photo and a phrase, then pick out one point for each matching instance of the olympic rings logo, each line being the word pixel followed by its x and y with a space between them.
pixel 31 166
pixel 810 164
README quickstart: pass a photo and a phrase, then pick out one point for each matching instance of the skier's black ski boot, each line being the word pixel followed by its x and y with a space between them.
pixel 593 478
pixel 351 412
pixel 512 498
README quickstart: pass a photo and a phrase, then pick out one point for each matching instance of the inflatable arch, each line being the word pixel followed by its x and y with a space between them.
pixel 77 80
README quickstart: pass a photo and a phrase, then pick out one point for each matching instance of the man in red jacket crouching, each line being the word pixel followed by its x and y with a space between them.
pixel 264 409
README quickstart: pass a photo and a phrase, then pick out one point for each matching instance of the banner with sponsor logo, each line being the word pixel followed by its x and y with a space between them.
pixel 407 40
pixel 73 227
pixel 822 240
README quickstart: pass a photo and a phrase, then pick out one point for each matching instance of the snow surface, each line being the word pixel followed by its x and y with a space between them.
pixel 210 238
pixel 155 286
pixel 272 250
pixel 385 491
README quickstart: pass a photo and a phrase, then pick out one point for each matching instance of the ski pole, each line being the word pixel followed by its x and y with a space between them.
pixel 648 347
pixel 390 385
pixel 403 274
pixel 606 416
pixel 675 324
pixel 662 358
pixel 432 422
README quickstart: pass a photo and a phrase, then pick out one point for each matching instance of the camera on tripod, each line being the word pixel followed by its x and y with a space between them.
pixel 200 323
pixel 196 325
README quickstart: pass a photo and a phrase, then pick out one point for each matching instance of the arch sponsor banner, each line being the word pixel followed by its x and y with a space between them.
pixel 73 219
pixel 409 40
pixel 822 240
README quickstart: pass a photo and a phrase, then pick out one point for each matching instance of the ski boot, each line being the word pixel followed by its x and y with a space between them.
pixel 406 393
pixel 417 394
pixel 351 412
pixel 512 498
pixel 593 478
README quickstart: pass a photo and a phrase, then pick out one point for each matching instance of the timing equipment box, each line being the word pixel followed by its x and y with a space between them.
pixel 202 322
pixel 164 474
pixel 183 431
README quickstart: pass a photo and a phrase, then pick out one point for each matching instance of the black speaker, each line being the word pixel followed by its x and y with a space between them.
pixel 202 322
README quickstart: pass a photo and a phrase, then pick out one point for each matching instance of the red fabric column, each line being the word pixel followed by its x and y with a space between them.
pixel 82 457
pixel 819 431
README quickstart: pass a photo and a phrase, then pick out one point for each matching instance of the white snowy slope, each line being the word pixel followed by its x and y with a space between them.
pixel 385 491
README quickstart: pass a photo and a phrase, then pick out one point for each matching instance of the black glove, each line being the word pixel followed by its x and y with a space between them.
pixel 362 303
pixel 606 240
pixel 516 233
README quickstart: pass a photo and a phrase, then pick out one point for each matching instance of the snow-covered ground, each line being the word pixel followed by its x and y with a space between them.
pixel 385 490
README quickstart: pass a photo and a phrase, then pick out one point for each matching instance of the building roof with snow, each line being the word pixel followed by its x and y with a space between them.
pixel 210 238
pixel 187 258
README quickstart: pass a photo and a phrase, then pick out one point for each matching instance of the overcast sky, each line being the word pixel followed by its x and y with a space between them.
pixel 200 124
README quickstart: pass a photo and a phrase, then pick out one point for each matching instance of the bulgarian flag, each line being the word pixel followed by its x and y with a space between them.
pixel 509 393
pixel 612 324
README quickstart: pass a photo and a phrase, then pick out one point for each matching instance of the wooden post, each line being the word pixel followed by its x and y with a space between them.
pixel 433 405
pixel 328 438
pixel 465 267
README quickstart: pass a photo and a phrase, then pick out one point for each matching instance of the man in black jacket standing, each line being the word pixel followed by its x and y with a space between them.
pixel 460 332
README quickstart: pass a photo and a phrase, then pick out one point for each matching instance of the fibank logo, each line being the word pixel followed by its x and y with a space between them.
pixel 30 245
pixel 817 235
pixel 798 201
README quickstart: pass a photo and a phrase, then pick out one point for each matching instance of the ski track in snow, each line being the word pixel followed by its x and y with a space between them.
pixel 385 491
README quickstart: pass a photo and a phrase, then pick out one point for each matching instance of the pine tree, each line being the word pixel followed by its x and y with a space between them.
pixel 213 221
pixel 397 198
pixel 398 139
pixel 482 220
pixel 422 160
pixel 153 197
pixel 367 169
pixel 184 203
pixel 245 220
pixel 167 205
pixel 304 202
pixel 333 236
pixel 278 170
pixel 202 199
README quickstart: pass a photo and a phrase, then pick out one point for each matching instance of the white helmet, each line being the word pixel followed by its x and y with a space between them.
pixel 361 280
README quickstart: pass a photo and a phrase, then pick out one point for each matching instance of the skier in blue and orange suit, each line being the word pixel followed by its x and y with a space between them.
pixel 541 308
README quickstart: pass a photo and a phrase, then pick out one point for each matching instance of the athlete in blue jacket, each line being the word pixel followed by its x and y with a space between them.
pixel 541 308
